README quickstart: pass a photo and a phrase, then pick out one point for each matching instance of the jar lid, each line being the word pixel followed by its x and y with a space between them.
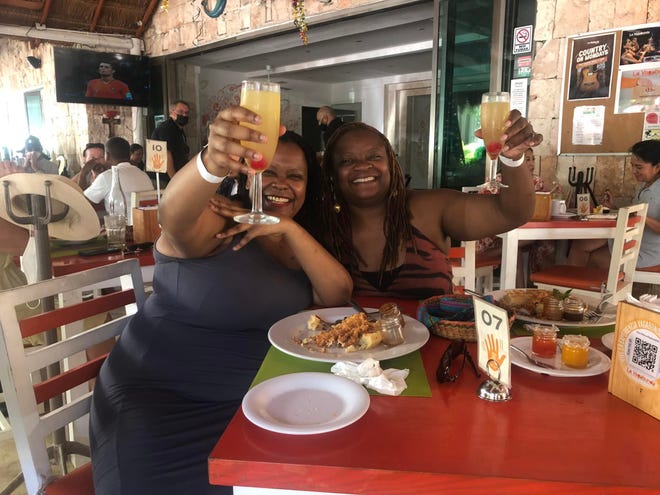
pixel 545 331
pixel 579 341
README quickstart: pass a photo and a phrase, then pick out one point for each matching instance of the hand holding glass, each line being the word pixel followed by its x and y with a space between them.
pixel 494 114
pixel 262 98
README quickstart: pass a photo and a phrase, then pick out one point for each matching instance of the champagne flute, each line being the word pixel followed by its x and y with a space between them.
pixel 494 114
pixel 263 98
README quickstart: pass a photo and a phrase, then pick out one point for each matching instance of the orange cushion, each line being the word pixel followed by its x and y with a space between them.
pixel 655 268
pixel 77 482
pixel 486 260
pixel 578 277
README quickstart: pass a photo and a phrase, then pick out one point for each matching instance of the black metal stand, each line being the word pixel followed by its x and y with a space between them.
pixel 580 183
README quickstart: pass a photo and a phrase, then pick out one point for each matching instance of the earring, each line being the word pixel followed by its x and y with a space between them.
pixel 337 208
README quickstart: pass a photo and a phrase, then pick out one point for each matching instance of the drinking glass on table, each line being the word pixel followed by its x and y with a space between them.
pixel 263 98
pixel 494 114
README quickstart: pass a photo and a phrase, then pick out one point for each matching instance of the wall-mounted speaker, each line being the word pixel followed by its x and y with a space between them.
pixel 34 62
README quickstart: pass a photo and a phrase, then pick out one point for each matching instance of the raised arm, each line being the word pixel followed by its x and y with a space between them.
pixel 188 225
pixel 474 216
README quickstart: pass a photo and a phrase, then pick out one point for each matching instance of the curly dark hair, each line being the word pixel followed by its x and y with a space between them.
pixel 310 211
pixel 336 212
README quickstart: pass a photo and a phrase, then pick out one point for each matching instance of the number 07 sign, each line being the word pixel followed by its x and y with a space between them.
pixel 492 324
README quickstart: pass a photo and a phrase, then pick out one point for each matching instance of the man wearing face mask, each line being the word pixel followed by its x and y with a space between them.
pixel 328 122
pixel 172 131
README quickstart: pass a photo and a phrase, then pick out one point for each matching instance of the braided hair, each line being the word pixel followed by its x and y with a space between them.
pixel 336 213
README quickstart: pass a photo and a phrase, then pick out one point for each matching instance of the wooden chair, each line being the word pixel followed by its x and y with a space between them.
pixel 462 260
pixel 144 198
pixel 648 275
pixel 40 407
pixel 618 278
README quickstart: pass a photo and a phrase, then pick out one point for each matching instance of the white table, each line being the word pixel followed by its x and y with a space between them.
pixel 553 230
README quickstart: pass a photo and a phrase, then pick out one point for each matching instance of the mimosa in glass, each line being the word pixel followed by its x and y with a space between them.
pixel 263 98
pixel 494 114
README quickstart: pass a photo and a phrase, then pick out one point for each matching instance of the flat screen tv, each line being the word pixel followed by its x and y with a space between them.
pixel 84 76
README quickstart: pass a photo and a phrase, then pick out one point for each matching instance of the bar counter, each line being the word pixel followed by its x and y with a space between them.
pixel 556 435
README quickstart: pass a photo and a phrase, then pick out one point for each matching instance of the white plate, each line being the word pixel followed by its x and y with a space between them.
pixel 602 216
pixel 608 317
pixel 305 403
pixel 608 340
pixel 598 362
pixel 283 334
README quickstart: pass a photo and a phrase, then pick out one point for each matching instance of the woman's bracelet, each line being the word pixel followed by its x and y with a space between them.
pixel 206 175
pixel 512 163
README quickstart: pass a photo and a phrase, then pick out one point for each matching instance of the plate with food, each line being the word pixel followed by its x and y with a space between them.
pixel 305 403
pixel 597 362
pixel 341 334
pixel 538 306
pixel 608 340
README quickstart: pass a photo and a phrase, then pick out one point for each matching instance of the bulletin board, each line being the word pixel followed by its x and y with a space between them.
pixel 611 91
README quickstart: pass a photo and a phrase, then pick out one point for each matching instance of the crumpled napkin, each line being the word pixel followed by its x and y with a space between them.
pixel 369 373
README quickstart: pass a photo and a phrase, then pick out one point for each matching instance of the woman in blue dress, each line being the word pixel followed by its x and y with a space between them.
pixel 184 362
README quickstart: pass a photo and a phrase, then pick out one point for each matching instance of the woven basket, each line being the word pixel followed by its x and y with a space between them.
pixel 447 328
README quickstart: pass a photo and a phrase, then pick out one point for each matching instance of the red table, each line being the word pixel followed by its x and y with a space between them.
pixel 556 435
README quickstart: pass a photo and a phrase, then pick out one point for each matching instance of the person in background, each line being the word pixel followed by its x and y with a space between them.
pixel 132 179
pixel 394 240
pixel 171 131
pixel 106 86
pixel 137 156
pixel 645 164
pixel 184 362
pixel 541 252
pixel 328 122
pixel 35 158
pixel 94 164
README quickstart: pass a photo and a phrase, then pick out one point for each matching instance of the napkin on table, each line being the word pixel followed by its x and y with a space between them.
pixel 369 373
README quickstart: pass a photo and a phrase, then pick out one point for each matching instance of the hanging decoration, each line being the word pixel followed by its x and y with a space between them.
pixel 215 11
pixel 299 19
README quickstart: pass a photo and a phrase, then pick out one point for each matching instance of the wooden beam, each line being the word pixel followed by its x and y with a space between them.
pixel 145 18
pixel 44 14
pixel 97 14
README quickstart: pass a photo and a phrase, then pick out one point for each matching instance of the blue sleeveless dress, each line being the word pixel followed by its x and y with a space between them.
pixel 182 366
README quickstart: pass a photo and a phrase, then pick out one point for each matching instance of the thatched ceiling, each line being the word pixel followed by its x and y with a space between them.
pixel 123 17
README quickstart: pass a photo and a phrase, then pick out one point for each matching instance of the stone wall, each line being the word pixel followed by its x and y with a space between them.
pixel 66 127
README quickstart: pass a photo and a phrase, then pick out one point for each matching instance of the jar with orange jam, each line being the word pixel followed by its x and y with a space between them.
pixel 544 341
pixel 575 351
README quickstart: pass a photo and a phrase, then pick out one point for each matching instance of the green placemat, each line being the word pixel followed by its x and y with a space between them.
pixel 278 363
pixel 58 248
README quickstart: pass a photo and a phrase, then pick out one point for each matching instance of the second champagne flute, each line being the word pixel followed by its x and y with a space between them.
pixel 494 114
pixel 263 98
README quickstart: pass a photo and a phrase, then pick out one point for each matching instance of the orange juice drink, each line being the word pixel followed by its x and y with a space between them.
pixel 494 114
pixel 263 98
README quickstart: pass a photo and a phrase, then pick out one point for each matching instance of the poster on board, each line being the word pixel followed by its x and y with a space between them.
pixel 639 46
pixel 591 67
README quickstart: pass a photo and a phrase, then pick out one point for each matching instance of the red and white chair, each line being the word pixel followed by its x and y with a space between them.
pixel 44 408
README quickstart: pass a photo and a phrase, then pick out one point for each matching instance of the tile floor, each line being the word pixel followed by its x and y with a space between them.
pixel 9 466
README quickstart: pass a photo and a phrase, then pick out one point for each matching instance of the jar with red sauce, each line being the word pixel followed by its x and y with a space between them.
pixel 544 341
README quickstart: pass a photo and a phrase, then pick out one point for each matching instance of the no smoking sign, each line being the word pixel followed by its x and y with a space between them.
pixel 522 39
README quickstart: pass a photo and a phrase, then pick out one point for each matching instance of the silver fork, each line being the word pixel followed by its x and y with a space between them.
pixel 372 316
pixel 532 360
pixel 595 314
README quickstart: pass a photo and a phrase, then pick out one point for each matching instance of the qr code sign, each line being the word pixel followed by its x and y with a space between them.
pixel 645 354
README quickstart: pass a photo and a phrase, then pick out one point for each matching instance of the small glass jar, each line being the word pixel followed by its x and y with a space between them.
pixel 552 309
pixel 391 324
pixel 573 309
pixel 575 351
pixel 544 341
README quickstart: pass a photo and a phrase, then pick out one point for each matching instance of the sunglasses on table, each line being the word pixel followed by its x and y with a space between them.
pixel 452 362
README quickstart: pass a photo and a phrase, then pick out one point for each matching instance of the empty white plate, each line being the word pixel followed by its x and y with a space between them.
pixel 305 403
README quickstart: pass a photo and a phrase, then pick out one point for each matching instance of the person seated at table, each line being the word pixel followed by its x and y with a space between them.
pixel 36 161
pixel 184 362
pixel 131 178
pixel 540 252
pixel 395 240
pixel 93 157
pixel 645 164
